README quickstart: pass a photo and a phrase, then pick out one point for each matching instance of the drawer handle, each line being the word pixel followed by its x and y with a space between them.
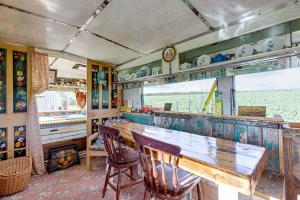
pixel 53 130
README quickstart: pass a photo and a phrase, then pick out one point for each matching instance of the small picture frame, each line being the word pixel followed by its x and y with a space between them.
pixel 52 76
pixel 167 106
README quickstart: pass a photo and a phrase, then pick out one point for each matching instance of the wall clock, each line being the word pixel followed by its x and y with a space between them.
pixel 169 53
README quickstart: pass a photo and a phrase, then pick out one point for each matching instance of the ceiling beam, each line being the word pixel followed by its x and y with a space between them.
pixel 63 55
pixel 189 4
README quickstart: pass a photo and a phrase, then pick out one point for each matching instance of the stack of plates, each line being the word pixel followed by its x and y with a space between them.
pixel 155 70
pixel 272 44
pixel 185 66
pixel 203 60
pixel 244 50
pixel 147 70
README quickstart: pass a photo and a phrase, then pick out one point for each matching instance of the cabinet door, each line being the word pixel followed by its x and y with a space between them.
pixel 14 88
pixel 99 95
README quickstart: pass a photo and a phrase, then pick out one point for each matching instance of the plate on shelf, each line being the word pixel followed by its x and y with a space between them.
pixel 133 76
pixel 203 60
pixel 244 50
pixel 155 70
pixel 147 70
pixel 127 77
pixel 272 44
pixel 185 66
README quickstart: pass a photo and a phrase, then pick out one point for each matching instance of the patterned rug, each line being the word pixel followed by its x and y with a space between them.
pixel 75 183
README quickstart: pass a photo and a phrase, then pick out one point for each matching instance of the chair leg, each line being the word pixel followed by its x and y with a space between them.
pixel 199 191
pixel 131 171
pixel 106 180
pixel 145 194
pixel 88 161
pixel 119 185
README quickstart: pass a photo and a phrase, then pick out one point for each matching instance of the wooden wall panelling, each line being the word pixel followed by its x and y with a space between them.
pixel 9 120
pixel 228 132
pixel 271 143
pixel 240 133
pixel 217 130
pixel 207 127
pixel 254 135
pixel 140 118
pixel 196 125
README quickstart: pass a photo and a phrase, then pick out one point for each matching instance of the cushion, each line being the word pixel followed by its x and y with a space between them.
pixel 98 145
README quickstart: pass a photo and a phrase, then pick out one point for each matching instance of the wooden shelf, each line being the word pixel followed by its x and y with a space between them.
pixel 66 87
pixel 146 78
pixel 274 55
pixel 238 62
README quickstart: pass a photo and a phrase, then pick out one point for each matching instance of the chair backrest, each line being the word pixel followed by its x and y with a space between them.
pixel 112 145
pixel 154 152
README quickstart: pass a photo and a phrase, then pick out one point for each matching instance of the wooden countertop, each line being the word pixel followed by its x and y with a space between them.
pixel 229 163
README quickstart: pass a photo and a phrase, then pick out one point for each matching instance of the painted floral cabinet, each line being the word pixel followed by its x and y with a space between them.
pixel 14 87
pixel 101 94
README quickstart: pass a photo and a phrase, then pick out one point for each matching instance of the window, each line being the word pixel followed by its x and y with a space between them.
pixel 51 101
pixel 279 91
pixel 185 96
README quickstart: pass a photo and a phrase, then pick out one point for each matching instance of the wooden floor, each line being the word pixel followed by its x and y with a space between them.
pixel 77 183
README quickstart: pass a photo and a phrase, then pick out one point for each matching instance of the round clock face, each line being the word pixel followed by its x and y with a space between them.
pixel 169 53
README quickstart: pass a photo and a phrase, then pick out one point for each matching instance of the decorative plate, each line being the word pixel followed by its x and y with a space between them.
pixel 146 69
pixel 203 60
pixel 185 65
pixel 272 44
pixel 155 70
pixel 169 53
pixel 244 50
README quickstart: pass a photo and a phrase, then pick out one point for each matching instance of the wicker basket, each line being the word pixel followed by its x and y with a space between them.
pixel 15 174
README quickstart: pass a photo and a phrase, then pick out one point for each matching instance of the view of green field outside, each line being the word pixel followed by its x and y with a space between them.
pixel 283 102
pixel 279 91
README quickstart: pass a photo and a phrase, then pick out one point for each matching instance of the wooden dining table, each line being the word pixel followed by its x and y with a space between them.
pixel 234 166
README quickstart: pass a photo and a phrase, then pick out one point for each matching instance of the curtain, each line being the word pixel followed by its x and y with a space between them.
pixel 40 79
pixel 80 98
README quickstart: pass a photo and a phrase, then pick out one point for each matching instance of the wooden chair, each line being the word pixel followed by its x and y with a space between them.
pixel 163 180
pixel 120 158
pixel 93 150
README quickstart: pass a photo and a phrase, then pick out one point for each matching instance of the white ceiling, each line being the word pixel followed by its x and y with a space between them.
pixel 22 28
pixel 74 12
pixel 64 69
pixel 146 25
pixel 129 27
pixel 223 12
pixel 95 48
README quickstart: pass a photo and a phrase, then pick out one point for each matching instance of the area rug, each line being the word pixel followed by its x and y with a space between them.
pixel 75 183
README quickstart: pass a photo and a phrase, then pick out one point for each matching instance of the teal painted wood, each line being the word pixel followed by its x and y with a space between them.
pixel 196 125
pixel 254 135
pixel 217 130
pixel 265 124
pixel 139 118
pixel 178 124
pixel 240 133
pixel 228 132
pixel 271 143
pixel 172 123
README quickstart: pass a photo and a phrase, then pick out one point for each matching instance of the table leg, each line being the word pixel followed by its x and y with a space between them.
pixel 226 193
